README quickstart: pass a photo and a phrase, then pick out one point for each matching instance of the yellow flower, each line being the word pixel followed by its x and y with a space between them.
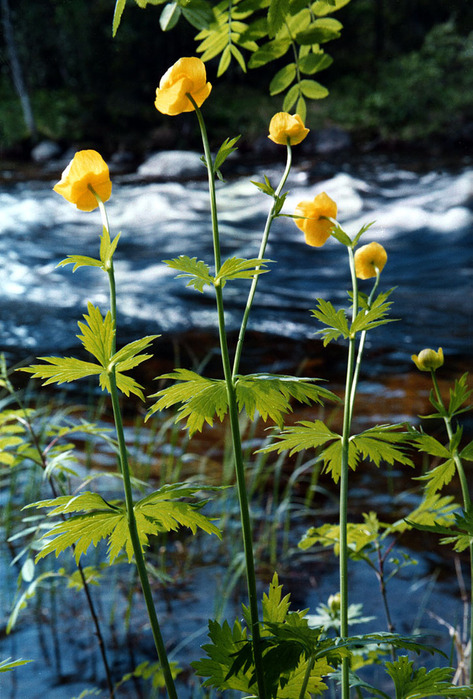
pixel 428 359
pixel 315 228
pixel 186 76
pixel 284 128
pixel 86 169
pixel 368 259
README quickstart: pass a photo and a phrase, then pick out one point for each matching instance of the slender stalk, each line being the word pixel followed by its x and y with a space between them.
pixel 125 471
pixel 347 416
pixel 466 502
pixel 264 241
pixel 234 423
pixel 135 540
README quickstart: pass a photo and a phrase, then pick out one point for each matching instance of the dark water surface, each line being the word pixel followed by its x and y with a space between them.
pixel 424 220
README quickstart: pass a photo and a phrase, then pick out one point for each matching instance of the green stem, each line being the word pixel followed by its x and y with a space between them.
pixel 234 423
pixel 125 471
pixel 347 417
pixel 135 540
pixel 466 500
pixel 361 347
pixel 264 241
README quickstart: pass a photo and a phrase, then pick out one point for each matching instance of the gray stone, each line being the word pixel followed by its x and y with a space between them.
pixel 172 164
pixel 45 151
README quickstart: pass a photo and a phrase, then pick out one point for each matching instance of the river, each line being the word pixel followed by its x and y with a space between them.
pixel 423 218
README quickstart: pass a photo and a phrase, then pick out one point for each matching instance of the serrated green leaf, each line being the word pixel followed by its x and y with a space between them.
pixel 204 399
pixel 239 268
pixel 159 511
pixel 439 476
pixel 413 683
pixel 226 641
pixel 335 320
pixel 282 79
pixel 434 510
pixel 98 334
pixel 107 249
pixel 62 370
pixel 79 261
pixel 197 271
pixel 304 435
pixel 383 443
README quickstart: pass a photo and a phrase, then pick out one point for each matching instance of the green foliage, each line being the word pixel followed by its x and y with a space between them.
pixel 459 530
pixel 227 148
pixel 384 443
pixel 415 684
pixel 204 399
pixel 367 318
pixel 107 250
pixel 160 511
pixel 97 338
pixel 199 276
pixel 286 637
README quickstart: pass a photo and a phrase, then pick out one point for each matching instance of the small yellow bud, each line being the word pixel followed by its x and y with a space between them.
pixel 428 359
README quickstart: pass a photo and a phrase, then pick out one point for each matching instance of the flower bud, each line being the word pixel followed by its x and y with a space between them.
pixel 368 259
pixel 86 170
pixel 428 359
pixel 315 226
pixel 287 129
pixel 186 77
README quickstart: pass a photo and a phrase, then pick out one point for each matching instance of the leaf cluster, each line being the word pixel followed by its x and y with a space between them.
pixel 267 30
pixel 383 443
pixel 367 318
pixel 98 519
pixel 201 400
pixel 198 272
pixel 97 337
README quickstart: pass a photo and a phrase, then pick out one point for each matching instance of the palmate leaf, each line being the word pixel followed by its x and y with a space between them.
pixel 460 533
pixel 415 684
pixel 197 271
pixel 97 337
pixel 202 400
pixel 434 511
pixel 107 250
pixel 439 476
pixel 336 321
pixel 374 316
pixel 225 642
pixel 383 443
pixel 360 536
pixel 304 435
pixel 160 511
pixel 239 268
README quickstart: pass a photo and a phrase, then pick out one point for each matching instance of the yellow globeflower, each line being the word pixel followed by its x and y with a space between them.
pixel 287 128
pixel 186 76
pixel 428 359
pixel 87 169
pixel 316 229
pixel 368 259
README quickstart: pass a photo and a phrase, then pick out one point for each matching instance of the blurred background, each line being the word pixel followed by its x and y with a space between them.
pixel 402 73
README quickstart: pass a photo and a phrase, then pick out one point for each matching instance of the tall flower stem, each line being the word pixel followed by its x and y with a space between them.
pixel 125 471
pixel 347 418
pixel 234 423
pixel 264 241
pixel 466 500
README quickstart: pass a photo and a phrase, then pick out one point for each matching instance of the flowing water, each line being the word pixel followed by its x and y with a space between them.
pixel 425 221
